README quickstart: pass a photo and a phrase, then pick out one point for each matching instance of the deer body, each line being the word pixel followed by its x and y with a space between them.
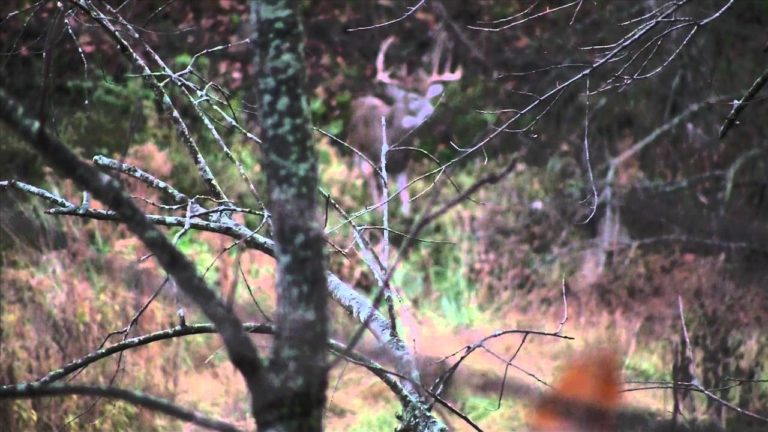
pixel 365 131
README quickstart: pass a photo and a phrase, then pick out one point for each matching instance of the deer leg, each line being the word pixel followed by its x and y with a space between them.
pixel 370 178
pixel 373 186
pixel 405 196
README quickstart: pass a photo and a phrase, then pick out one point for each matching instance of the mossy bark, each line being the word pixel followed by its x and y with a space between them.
pixel 293 397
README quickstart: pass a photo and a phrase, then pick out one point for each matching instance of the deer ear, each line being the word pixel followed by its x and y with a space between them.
pixel 434 90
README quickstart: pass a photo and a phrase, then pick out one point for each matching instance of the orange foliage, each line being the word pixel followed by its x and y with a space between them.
pixel 585 398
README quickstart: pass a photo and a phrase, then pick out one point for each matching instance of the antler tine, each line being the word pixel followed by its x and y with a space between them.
pixel 382 74
pixel 447 74
pixel 451 75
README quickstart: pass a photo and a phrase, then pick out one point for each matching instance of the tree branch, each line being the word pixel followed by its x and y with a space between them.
pixel 241 350
pixel 23 391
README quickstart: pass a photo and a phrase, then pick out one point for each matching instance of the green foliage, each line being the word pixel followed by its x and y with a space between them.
pixel 457 302
pixel 19 160
pixel 452 298
pixel 486 409
pixel 324 112
pixel 562 175
pixel 647 366
pixel 24 411
pixel 451 293
pixel 227 174
pixel 118 416
pixel 101 246
pixel 381 420
pixel 183 60
pixel 108 114
pixel 479 408
pixel 317 106
pixel 200 252
pixel 463 124
pixel 437 275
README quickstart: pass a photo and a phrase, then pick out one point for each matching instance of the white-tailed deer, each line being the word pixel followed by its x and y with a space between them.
pixel 410 104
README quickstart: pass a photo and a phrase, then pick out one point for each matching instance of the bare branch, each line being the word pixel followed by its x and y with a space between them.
pixel 741 104
pixel 547 11
pixel 240 348
pixel 160 94
pixel 409 12
pixel 26 391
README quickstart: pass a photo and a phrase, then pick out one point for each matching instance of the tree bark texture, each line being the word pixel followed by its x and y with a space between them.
pixel 293 397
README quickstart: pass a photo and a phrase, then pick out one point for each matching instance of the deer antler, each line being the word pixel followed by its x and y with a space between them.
pixel 382 74
pixel 447 74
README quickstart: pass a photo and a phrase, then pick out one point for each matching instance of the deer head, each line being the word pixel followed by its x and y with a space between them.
pixel 411 102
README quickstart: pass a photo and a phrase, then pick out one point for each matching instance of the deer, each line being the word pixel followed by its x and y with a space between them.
pixel 411 101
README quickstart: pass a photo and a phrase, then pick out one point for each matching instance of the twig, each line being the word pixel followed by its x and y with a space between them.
pixel 409 12
pixel 741 104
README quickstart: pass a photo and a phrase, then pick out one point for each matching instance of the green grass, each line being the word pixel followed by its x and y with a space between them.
pixel 647 366
pixel 382 420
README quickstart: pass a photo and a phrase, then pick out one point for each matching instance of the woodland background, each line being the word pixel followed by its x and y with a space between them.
pixel 686 215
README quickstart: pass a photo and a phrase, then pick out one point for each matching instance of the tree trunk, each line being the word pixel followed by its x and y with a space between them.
pixel 293 396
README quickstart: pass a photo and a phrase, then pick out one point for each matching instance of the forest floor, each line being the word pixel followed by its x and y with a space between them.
pixel 637 318
pixel 358 401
